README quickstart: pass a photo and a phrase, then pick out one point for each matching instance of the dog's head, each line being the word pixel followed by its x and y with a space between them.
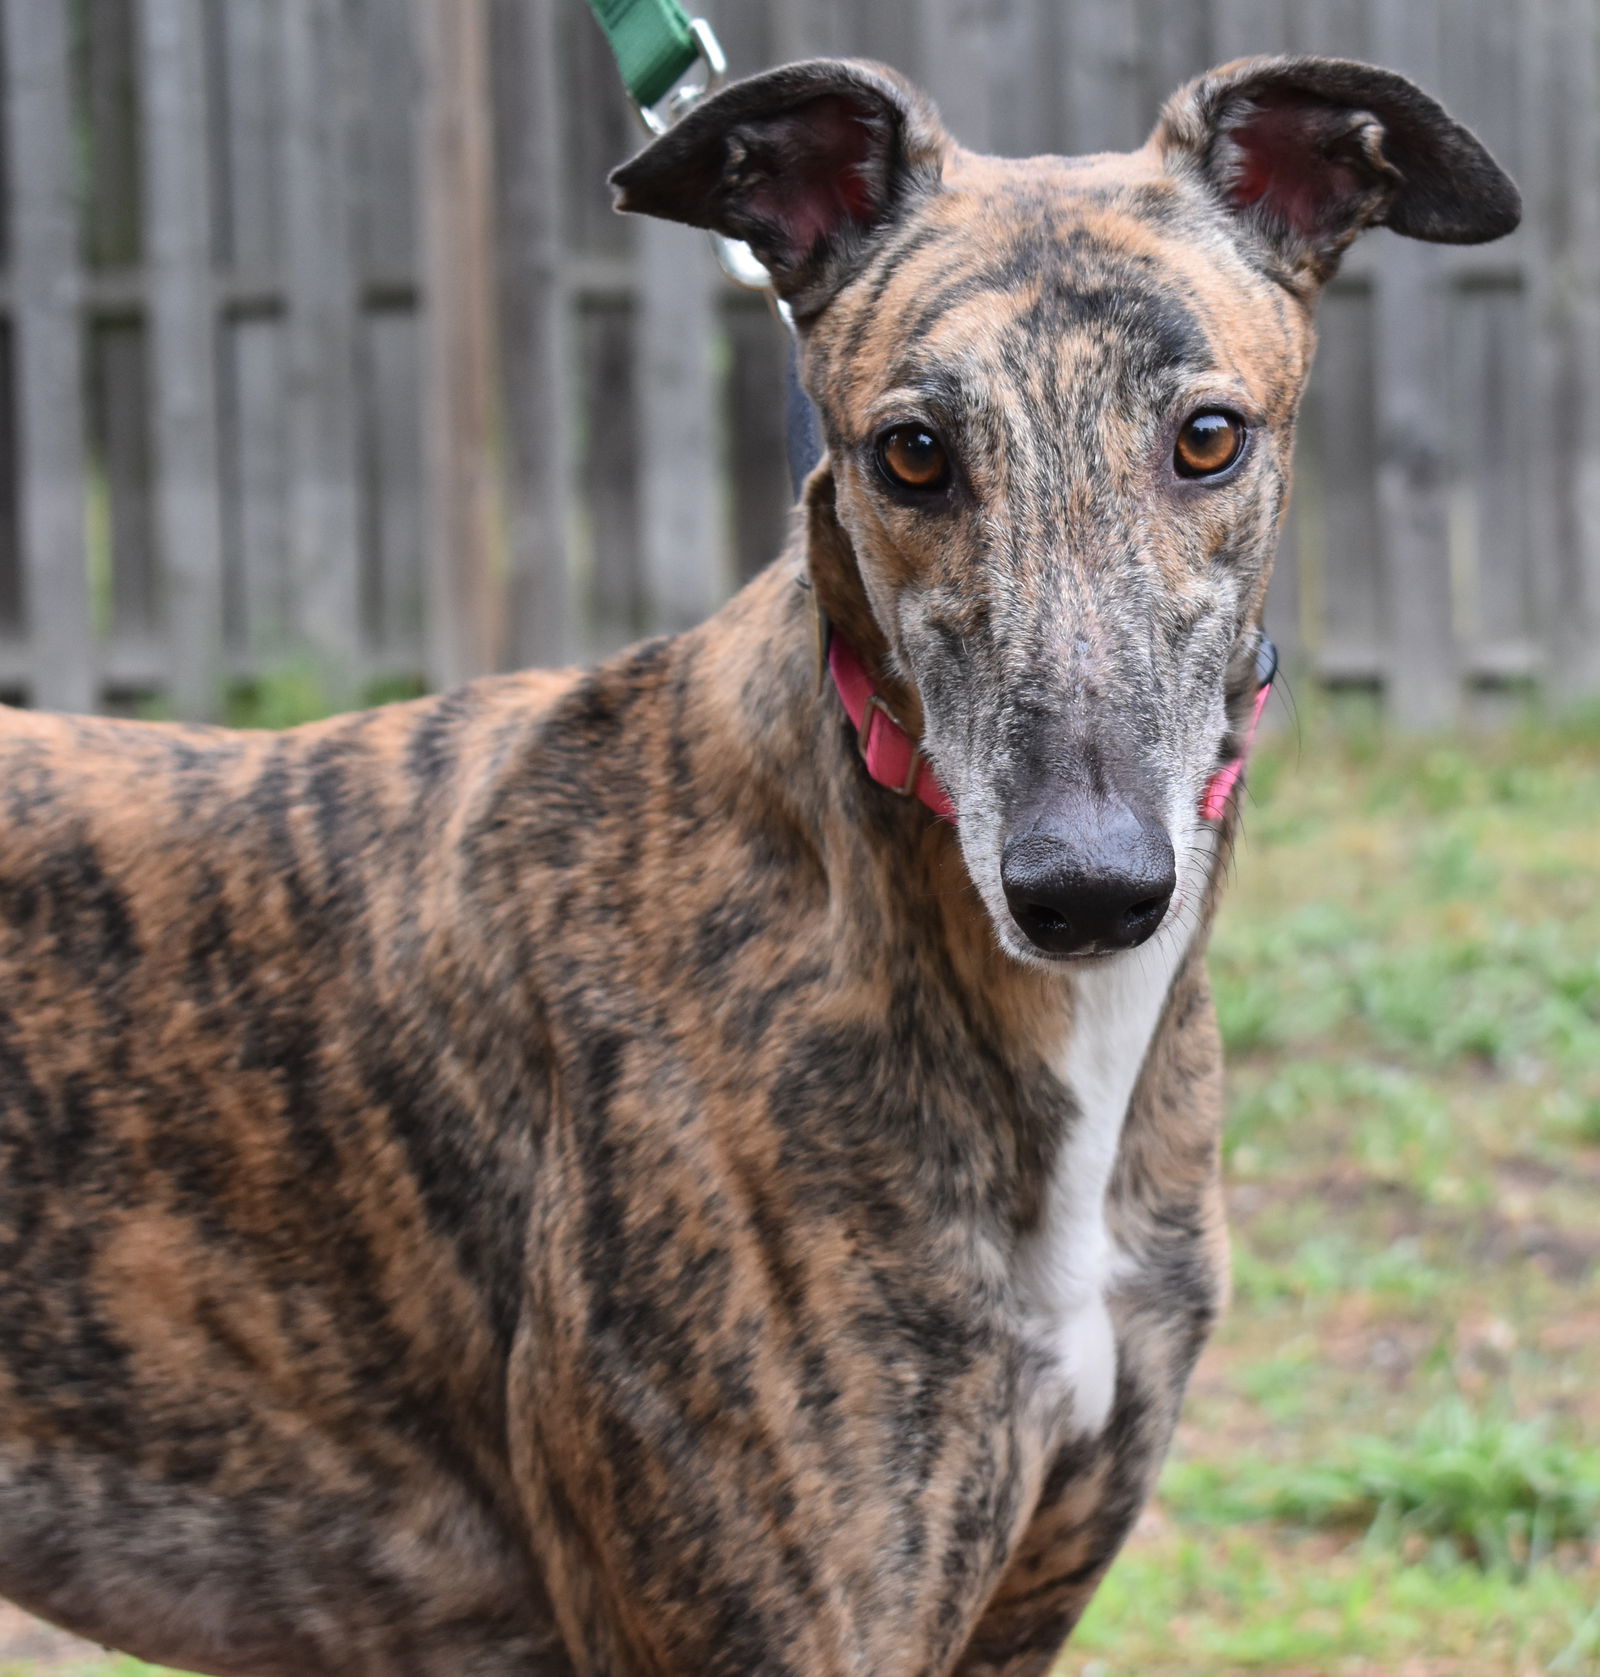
pixel 1059 398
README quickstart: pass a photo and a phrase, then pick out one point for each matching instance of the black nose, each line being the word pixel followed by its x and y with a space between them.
pixel 1089 875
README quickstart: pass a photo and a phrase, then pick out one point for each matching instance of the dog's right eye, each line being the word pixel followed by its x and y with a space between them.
pixel 1209 443
pixel 912 457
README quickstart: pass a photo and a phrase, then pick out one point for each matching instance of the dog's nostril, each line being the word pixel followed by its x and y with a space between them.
pixel 1149 906
pixel 1039 920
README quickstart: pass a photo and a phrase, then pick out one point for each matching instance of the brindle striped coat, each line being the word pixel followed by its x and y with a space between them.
pixel 570 1176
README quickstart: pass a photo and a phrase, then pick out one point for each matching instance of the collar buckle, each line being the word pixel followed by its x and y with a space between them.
pixel 874 708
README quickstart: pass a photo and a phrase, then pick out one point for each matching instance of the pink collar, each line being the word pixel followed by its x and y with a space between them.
pixel 895 759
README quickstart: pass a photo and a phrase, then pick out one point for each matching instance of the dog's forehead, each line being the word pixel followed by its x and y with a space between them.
pixel 1104 260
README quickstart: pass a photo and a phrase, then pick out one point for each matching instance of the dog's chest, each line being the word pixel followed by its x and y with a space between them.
pixel 1069 1264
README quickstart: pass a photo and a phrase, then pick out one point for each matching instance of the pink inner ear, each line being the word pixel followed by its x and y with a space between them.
pixel 821 186
pixel 1283 164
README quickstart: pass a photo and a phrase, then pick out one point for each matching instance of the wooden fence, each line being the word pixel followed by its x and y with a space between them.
pixel 319 341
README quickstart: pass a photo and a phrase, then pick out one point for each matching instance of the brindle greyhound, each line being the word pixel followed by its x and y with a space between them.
pixel 572 1176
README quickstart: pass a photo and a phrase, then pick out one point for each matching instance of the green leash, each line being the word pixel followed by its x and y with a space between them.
pixel 656 43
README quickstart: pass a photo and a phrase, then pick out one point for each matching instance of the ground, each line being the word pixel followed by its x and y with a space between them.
pixel 1390 1458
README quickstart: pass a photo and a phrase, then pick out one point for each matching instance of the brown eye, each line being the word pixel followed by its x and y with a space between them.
pixel 1208 443
pixel 913 458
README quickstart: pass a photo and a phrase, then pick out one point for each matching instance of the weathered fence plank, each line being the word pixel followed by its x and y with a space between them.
pixel 122 542
pixel 1102 72
pixel 46 316
pixel 682 535
pixel 395 606
pixel 319 237
pixel 1341 609
pixel 183 335
pixel 758 459
pixel 608 472
pixel 1178 46
pixel 1547 417
pixel 384 77
pixel 257 601
pixel 535 385
pixel 11 603
pixel 1411 372
pixel 107 52
pixel 958 65
pixel 464 620
pixel 1577 651
pixel 246 64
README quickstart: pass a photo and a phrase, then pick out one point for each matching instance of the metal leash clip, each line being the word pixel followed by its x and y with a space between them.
pixel 687 94
pixel 736 259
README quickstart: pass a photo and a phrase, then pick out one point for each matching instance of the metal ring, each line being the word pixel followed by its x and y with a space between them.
pixel 681 99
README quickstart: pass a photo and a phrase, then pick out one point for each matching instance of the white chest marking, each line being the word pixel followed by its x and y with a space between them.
pixel 1069 1262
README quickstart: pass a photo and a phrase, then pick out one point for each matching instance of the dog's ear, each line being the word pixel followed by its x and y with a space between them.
pixel 1308 151
pixel 805 164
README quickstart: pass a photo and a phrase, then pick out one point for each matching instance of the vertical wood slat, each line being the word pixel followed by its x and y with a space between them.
pixel 682 537
pixel 108 53
pixel 813 28
pixel 122 488
pixel 256 480
pixel 1178 47
pixel 1247 28
pixel 758 457
pixel 1546 417
pixel 1413 427
pixel 322 406
pixel 248 87
pixel 608 473
pixel 247 56
pixel 1335 28
pixel 183 339
pixel 535 386
pixel 384 71
pixel 396 609
pixel 989 67
pixel 957 44
pixel 1340 581
pixel 12 623
pixel 48 327
pixel 464 614
pixel 1102 57
pixel 1578 646
pixel 1487 399
pixel 1324 607
pixel 1413 512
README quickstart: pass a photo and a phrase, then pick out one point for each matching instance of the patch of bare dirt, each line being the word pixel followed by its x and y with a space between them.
pixel 22 1638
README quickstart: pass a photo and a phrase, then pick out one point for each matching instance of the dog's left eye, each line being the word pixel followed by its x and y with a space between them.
pixel 912 457
pixel 1208 443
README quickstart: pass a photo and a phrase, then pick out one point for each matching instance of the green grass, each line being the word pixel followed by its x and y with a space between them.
pixel 1390 1460
pixel 1389 1463
pixel 286 694
pixel 1264 1600
pixel 117 1665
pixel 1494 1489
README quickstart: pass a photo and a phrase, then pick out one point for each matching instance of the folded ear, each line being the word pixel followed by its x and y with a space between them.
pixel 1308 151
pixel 805 164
